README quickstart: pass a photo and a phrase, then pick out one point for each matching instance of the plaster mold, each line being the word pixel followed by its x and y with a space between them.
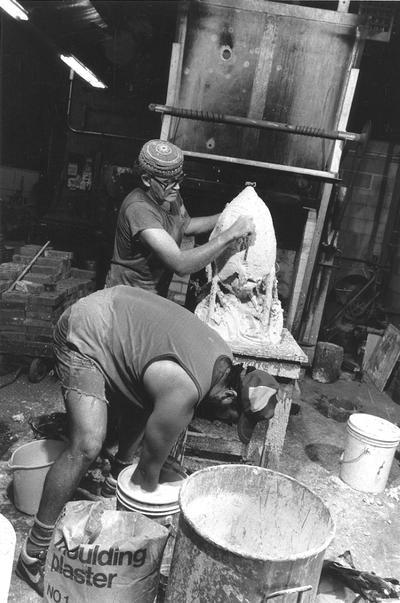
pixel 243 304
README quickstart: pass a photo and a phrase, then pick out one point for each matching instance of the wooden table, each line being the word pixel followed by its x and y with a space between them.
pixel 284 361
pixel 209 443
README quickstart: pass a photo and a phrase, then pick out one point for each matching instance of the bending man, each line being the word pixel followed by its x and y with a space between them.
pixel 157 362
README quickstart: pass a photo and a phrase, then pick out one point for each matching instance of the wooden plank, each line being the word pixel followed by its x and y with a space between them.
pixel 298 292
pixel 276 433
pixel 323 208
pixel 289 10
pixel 383 359
pixel 260 85
pixel 286 350
pixel 344 118
pixel 198 443
pixel 253 452
pixel 372 341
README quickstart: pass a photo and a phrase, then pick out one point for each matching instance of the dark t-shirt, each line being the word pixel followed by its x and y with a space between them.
pixel 133 262
pixel 124 329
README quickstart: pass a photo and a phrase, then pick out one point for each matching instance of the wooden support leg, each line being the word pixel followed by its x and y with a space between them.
pixel 276 432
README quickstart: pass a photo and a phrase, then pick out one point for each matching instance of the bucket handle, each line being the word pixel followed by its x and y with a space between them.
pixel 365 451
pixel 288 591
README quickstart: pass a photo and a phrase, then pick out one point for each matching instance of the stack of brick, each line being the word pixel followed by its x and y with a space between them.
pixel 29 312
pixel 179 284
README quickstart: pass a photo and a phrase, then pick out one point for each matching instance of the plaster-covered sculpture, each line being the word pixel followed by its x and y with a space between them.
pixel 243 305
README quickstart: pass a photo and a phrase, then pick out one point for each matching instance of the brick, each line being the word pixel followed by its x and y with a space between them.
pixel 29 287
pixel 55 253
pixel 44 279
pixel 37 324
pixel 60 263
pixel 20 328
pixel 46 270
pixel 4 285
pixel 21 259
pixel 45 313
pixel 12 317
pixel 12 305
pixel 10 270
pixel 52 298
pixel 39 337
pixel 83 274
pixel 30 250
pixel 15 296
pixel 11 336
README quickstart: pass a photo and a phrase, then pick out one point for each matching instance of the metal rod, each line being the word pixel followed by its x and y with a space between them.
pixel 27 267
pixel 264 165
pixel 287 591
pixel 258 123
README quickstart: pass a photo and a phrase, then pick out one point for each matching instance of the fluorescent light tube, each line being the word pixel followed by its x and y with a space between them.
pixel 81 70
pixel 14 9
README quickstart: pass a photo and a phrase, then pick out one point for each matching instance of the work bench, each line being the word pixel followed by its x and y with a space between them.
pixel 213 442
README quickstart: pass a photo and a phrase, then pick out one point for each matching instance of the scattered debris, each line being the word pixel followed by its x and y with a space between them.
pixel 393 493
pixel 52 426
pixel 18 418
pixel 336 408
pixel 367 584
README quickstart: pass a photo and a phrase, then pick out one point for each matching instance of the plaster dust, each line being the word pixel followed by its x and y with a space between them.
pixel 367 525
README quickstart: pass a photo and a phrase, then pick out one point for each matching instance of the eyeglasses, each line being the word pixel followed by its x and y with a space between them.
pixel 167 184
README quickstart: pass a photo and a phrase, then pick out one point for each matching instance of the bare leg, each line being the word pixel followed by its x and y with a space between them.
pixel 87 418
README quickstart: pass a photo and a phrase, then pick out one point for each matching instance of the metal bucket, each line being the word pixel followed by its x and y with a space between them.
pixel 247 534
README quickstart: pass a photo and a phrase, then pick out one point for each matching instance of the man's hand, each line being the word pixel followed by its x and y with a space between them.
pixel 242 228
pixel 146 478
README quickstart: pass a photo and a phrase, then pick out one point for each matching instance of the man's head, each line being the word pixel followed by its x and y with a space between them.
pixel 241 395
pixel 161 165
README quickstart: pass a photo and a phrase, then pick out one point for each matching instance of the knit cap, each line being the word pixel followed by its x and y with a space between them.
pixel 161 158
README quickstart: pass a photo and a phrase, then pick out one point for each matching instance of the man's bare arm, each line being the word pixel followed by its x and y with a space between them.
pixel 188 261
pixel 174 396
pixel 201 225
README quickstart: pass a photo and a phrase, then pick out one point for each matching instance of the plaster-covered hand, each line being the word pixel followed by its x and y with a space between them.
pixel 243 227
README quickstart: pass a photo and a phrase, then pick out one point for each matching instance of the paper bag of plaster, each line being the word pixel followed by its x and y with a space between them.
pixel 100 555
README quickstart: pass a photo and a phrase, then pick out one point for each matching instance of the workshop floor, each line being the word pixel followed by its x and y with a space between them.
pixel 367 525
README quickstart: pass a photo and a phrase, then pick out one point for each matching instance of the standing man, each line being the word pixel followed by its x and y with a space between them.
pixel 152 222
pixel 157 362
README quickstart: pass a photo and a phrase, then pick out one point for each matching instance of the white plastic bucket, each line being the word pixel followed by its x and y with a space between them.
pixel 7 548
pixel 165 511
pixel 370 446
pixel 30 464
